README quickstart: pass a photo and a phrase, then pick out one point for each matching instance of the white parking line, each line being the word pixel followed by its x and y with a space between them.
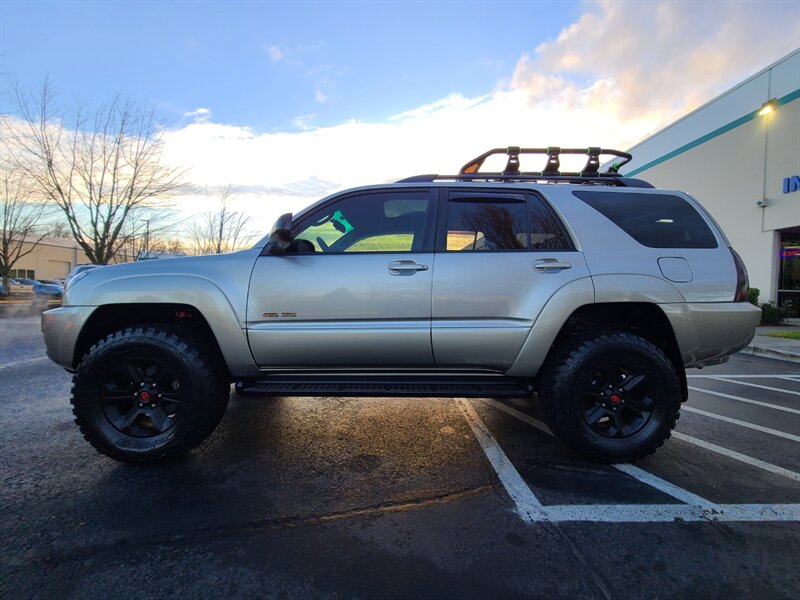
pixel 756 385
pixel 640 474
pixel 528 506
pixel 667 487
pixel 747 400
pixel 733 454
pixel 16 363
pixel 655 513
pixel 744 458
pixel 696 508
pixel 775 432
pixel 790 376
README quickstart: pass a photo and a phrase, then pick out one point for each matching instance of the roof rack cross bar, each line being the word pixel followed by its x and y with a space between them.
pixel 608 179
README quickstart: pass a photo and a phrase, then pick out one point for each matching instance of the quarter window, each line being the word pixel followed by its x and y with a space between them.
pixel 653 220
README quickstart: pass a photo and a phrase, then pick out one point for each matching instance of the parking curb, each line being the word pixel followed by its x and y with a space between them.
pixel 771 353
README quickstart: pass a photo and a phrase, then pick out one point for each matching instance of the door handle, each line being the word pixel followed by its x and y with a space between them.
pixel 551 265
pixel 405 267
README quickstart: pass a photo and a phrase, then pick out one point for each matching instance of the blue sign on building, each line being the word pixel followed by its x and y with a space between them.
pixel 791 184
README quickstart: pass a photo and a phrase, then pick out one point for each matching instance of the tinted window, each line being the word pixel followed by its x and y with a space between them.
pixel 653 220
pixel 476 225
pixel 546 231
pixel 378 222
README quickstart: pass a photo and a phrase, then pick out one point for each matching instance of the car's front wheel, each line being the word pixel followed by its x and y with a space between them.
pixel 150 393
pixel 613 397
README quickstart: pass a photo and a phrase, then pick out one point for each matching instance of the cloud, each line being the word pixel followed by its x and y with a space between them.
pixel 200 115
pixel 620 72
pixel 304 122
pixel 319 97
pixel 274 53
pixel 655 59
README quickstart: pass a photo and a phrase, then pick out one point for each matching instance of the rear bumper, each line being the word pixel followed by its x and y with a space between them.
pixel 61 327
pixel 708 332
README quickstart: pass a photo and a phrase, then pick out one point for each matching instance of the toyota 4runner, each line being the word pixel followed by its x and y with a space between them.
pixel 589 289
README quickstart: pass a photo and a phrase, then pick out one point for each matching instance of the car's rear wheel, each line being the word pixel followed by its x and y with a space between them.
pixel 149 394
pixel 613 397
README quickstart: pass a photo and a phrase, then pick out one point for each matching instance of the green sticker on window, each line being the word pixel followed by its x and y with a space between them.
pixel 341 223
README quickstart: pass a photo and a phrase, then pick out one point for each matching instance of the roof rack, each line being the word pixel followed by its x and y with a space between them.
pixel 590 174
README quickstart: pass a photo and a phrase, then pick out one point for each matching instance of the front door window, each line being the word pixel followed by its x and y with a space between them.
pixel 377 222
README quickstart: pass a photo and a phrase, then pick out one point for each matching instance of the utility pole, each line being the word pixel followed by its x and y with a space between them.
pixel 147 239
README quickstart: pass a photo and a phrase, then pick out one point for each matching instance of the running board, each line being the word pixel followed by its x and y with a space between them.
pixel 371 386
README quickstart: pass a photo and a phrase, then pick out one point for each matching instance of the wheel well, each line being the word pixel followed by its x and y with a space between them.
pixel 113 317
pixel 640 318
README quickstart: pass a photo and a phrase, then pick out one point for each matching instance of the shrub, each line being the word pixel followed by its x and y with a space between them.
pixel 773 315
pixel 752 295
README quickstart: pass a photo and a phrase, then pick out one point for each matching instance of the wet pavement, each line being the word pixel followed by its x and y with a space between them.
pixel 402 498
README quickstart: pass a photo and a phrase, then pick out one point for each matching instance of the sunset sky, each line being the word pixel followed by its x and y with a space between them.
pixel 291 101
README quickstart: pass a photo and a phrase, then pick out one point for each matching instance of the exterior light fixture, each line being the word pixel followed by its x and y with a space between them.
pixel 768 107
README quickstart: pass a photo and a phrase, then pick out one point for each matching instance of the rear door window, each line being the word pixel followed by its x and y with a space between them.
pixel 477 224
pixel 546 231
pixel 653 220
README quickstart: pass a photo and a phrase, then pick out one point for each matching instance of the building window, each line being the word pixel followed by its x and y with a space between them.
pixel 789 272
pixel 22 274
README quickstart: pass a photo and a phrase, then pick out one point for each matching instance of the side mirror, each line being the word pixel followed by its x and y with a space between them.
pixel 281 234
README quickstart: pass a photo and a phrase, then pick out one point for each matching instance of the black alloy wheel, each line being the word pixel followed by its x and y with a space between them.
pixel 141 396
pixel 610 396
pixel 617 401
pixel 150 394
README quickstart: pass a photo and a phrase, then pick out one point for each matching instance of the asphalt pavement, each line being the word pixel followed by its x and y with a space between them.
pixel 402 498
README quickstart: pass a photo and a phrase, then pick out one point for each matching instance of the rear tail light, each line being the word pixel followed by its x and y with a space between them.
pixel 742 281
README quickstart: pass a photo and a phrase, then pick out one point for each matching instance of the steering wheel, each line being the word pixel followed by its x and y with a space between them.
pixel 322 245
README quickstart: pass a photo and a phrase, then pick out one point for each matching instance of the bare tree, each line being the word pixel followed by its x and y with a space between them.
pixel 167 246
pixel 20 216
pixel 145 232
pixel 59 229
pixel 224 230
pixel 103 167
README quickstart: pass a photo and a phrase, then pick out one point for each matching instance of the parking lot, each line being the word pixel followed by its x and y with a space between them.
pixel 401 498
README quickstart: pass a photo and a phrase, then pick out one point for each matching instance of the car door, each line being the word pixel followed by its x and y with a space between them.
pixel 354 288
pixel 500 256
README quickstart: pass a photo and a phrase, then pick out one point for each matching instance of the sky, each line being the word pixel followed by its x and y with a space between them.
pixel 289 102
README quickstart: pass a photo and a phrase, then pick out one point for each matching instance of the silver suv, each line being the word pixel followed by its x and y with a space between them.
pixel 591 290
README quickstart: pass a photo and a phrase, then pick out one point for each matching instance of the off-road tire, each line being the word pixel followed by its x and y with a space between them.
pixel 204 392
pixel 574 361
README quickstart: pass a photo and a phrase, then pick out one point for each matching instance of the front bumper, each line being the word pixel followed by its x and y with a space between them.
pixel 708 332
pixel 61 328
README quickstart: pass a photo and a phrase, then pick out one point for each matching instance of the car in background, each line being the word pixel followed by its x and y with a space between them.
pixel 24 281
pixel 19 286
pixel 77 271
pixel 50 290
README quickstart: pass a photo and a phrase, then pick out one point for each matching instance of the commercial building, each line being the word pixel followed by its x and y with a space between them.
pixel 739 155
pixel 52 258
